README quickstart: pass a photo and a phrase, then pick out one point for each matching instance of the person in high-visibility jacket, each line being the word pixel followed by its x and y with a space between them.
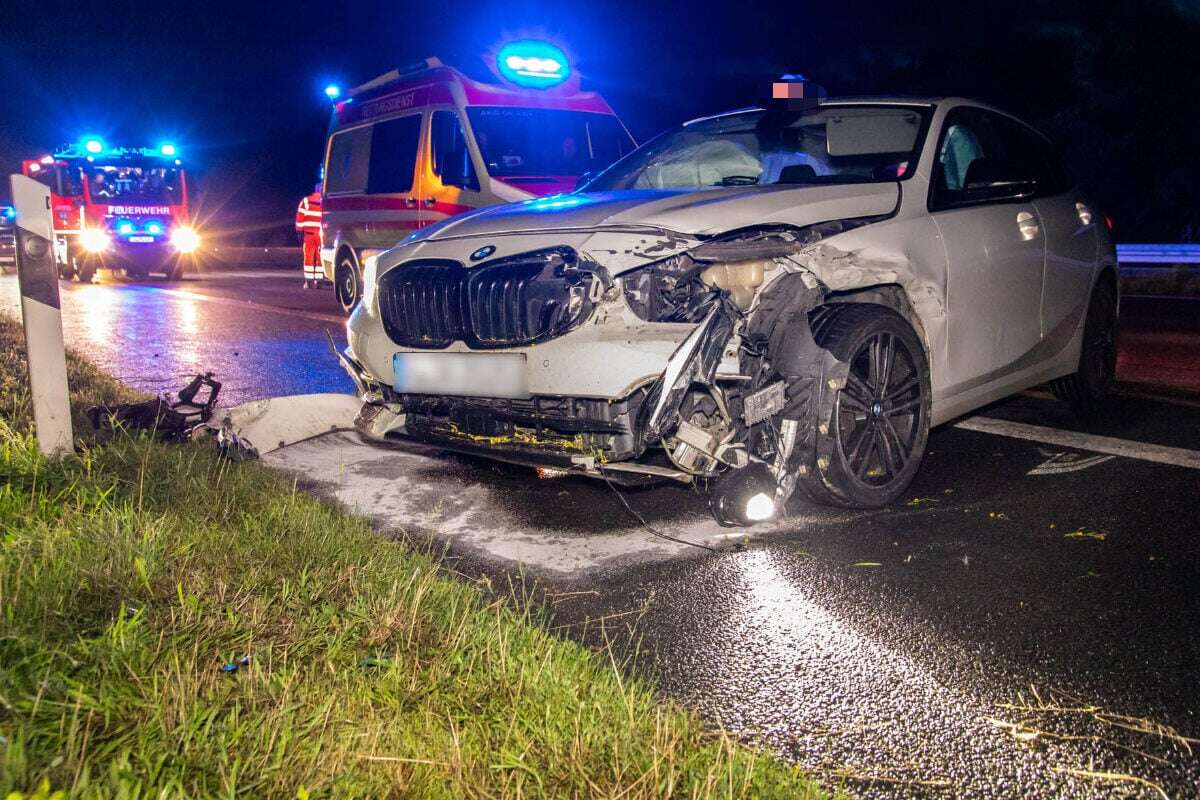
pixel 308 226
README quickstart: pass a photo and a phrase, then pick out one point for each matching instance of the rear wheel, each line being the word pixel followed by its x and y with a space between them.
pixel 867 445
pixel 346 282
pixel 1086 389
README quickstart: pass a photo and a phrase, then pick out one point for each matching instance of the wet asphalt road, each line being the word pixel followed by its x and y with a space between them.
pixel 1011 630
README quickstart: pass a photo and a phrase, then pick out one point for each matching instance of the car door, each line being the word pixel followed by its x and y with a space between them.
pixel 393 181
pixel 981 202
pixel 450 181
pixel 1070 225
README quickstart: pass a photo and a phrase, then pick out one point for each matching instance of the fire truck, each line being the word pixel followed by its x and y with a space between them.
pixel 120 208
pixel 419 144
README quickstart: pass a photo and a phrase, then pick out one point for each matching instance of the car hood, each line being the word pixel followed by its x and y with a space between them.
pixel 690 212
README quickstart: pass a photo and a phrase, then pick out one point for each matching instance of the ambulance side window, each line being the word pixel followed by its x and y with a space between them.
pixel 394 155
pixel 451 158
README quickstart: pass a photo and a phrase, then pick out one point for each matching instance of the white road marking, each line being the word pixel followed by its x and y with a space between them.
pixel 1159 454
pixel 1067 462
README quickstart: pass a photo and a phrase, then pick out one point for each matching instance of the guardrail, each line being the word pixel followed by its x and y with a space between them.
pixel 1158 254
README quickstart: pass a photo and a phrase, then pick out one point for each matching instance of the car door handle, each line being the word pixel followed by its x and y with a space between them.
pixel 410 202
pixel 430 202
pixel 1028 226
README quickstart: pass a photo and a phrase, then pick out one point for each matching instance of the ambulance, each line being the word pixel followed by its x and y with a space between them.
pixel 417 145
pixel 121 208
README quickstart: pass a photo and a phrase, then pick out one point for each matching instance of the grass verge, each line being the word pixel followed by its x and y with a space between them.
pixel 131 573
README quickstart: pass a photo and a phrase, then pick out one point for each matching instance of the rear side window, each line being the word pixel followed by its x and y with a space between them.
pixel 451 158
pixel 394 155
pixel 349 159
pixel 1038 157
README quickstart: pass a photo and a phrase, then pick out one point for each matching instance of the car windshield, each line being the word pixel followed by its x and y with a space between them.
pixel 539 142
pixel 134 184
pixel 826 145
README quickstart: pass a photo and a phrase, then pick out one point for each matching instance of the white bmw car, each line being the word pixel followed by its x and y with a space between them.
pixel 772 300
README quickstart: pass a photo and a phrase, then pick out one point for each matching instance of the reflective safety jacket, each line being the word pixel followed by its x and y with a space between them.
pixel 308 215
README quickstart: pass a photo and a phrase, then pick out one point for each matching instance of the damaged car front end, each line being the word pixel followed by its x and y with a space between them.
pixel 671 360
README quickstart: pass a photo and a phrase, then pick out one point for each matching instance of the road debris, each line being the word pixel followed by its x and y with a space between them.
pixel 234 666
pixel 1083 533
pixel 169 420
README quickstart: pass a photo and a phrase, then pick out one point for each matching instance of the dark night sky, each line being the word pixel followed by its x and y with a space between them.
pixel 238 85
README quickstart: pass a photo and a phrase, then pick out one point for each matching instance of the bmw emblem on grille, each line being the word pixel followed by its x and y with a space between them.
pixel 483 252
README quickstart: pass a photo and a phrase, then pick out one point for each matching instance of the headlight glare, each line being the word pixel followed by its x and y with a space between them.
pixel 185 239
pixel 95 240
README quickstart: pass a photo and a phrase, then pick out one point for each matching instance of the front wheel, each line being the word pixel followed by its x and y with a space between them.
pixel 867 444
pixel 346 282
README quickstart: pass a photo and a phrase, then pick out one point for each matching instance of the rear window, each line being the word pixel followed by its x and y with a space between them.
pixel 394 155
pixel 376 159
pixel 349 160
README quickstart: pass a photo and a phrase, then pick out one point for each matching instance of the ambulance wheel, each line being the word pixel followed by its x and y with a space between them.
pixel 346 282
pixel 174 272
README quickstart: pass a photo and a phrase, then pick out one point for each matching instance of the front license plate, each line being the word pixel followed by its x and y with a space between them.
pixel 141 238
pixel 461 374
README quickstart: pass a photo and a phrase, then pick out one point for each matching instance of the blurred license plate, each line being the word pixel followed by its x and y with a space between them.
pixel 461 374
pixel 141 238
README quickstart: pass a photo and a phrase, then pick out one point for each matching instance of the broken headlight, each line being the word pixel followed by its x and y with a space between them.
pixel 665 291
pixel 673 290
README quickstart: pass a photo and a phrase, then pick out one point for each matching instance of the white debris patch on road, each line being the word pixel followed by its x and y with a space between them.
pixel 426 493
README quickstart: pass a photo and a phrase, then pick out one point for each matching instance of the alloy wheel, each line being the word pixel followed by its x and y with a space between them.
pixel 880 410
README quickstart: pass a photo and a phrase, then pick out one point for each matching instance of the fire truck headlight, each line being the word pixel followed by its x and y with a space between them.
pixel 95 240
pixel 185 239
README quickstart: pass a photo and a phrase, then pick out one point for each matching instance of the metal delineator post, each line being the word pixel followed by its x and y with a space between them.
pixel 41 313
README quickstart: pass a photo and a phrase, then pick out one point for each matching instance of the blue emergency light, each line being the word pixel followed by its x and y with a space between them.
pixel 538 65
pixel 167 149
pixel 333 91
pixel 125 227
pixel 93 146
pixel 154 228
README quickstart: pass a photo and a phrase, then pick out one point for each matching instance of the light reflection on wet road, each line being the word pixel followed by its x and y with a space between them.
pixel 155 336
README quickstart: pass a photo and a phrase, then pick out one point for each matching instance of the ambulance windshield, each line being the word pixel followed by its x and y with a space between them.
pixel 542 142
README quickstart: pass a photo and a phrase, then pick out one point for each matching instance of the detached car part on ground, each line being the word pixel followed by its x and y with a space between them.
pixel 765 301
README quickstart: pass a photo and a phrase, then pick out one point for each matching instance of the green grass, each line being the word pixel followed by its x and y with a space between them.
pixel 130 573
